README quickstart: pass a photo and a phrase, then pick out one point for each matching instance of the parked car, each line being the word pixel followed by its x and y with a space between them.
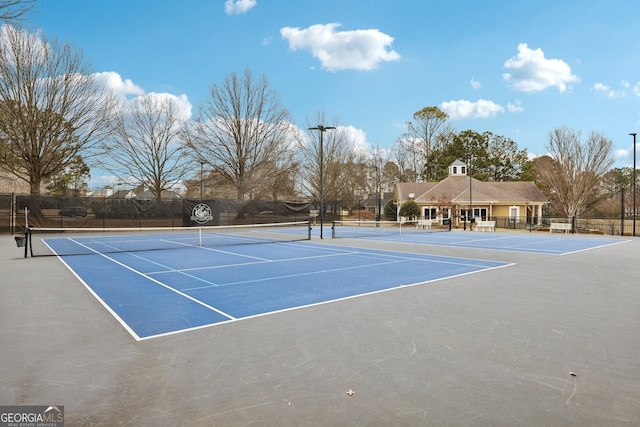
pixel 73 211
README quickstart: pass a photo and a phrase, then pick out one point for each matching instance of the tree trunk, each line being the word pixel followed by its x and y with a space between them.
pixel 34 185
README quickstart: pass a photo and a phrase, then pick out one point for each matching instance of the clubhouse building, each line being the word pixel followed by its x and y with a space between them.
pixel 462 198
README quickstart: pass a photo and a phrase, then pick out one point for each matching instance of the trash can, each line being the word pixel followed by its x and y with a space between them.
pixel 21 241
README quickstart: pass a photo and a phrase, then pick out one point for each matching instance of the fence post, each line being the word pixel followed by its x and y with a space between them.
pixel 622 211
pixel 12 219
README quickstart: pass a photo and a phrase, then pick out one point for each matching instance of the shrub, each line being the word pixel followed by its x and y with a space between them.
pixel 410 209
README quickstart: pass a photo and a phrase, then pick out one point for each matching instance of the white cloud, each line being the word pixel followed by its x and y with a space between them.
pixel 181 103
pixel 113 81
pixel 463 109
pixel 622 153
pixel 237 7
pixel 609 92
pixel 356 136
pixel 516 107
pixel 475 84
pixel 129 92
pixel 532 72
pixel 601 87
pixel 342 50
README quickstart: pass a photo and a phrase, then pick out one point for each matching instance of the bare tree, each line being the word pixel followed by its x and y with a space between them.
pixel 51 108
pixel 344 174
pixel 11 10
pixel 425 131
pixel 576 169
pixel 73 181
pixel 278 182
pixel 243 132
pixel 391 174
pixel 148 146
pixel 410 158
pixel 377 161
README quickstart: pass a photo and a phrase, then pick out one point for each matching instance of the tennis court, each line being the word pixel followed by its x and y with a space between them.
pixel 326 332
pixel 161 283
pixel 540 243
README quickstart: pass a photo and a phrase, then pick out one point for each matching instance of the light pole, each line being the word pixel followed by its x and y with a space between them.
pixel 322 130
pixel 378 190
pixel 470 197
pixel 634 184
pixel 201 172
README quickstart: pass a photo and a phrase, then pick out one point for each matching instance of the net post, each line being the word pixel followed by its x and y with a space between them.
pixel 333 229
pixel 309 230
pixel 27 242
pixel 199 236
pixel 27 233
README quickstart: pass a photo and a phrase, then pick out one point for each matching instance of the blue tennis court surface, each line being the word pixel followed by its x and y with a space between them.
pixel 166 291
pixel 541 243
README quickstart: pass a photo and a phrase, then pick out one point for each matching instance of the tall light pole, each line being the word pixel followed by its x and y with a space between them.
pixel 634 184
pixel 378 190
pixel 201 173
pixel 470 194
pixel 322 130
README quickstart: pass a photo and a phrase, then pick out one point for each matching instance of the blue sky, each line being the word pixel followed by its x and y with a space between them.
pixel 515 68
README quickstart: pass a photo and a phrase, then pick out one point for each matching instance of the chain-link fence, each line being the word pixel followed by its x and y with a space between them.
pixel 17 211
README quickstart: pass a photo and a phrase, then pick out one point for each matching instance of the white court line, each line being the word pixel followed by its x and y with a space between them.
pixel 529 246
pixel 387 259
pixel 157 281
pixel 287 276
pixel 284 310
pixel 596 247
pixel 215 267
pixel 119 319
pixel 441 261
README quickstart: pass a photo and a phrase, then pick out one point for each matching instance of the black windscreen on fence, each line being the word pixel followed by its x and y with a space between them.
pixel 6 213
pixel 64 212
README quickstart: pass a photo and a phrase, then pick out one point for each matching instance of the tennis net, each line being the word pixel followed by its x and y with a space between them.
pixel 357 228
pixel 84 241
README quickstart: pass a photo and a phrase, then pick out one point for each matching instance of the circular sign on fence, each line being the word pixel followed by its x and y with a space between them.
pixel 201 213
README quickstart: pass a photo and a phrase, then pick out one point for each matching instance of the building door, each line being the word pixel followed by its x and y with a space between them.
pixel 514 214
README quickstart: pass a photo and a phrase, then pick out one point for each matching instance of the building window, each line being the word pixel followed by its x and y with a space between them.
pixel 480 214
pixel 462 168
pixel 455 170
pixel 430 213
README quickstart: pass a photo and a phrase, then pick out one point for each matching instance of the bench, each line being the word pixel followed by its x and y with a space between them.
pixel 560 226
pixel 423 224
pixel 485 226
